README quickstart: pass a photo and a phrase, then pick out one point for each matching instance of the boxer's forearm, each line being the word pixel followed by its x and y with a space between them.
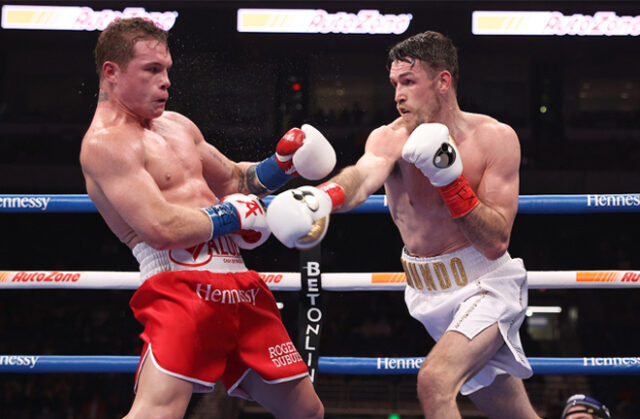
pixel 487 229
pixel 363 179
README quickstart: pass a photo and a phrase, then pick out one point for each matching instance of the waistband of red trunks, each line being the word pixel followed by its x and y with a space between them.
pixel 448 272
pixel 217 255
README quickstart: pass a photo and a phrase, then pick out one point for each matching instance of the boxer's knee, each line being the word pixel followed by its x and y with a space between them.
pixel 313 410
pixel 156 412
pixel 310 408
pixel 307 406
pixel 435 387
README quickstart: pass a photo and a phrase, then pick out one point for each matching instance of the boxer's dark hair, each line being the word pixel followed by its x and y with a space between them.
pixel 433 48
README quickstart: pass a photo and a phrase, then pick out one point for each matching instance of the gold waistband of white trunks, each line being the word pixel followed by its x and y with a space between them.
pixel 448 272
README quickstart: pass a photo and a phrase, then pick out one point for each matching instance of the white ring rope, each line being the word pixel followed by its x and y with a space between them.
pixel 290 281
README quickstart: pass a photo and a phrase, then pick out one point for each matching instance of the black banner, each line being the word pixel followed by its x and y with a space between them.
pixel 310 309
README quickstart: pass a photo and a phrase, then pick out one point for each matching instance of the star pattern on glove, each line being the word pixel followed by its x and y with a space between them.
pixel 253 208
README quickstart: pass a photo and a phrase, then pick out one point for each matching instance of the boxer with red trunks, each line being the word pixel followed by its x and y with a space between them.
pixel 463 286
pixel 156 182
pixel 217 318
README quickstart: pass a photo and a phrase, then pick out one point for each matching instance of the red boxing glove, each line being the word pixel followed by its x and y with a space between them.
pixel 286 147
pixel 304 152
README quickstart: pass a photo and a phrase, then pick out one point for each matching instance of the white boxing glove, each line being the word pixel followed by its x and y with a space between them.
pixel 305 152
pixel 431 149
pixel 252 216
pixel 300 217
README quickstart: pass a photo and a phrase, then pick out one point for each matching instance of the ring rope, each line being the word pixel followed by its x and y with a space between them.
pixel 291 281
pixel 326 364
pixel 527 204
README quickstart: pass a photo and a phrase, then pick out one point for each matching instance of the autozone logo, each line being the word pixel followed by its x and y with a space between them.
pixel 53 276
pixel 320 21
pixel 271 278
pixel 608 276
pixel 76 18
pixel 603 23
pixel 388 278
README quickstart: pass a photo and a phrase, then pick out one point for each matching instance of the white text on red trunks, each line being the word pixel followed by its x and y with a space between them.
pixel 284 354
pixel 232 296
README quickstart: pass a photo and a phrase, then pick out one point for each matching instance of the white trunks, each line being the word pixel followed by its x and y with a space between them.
pixel 217 255
pixel 466 292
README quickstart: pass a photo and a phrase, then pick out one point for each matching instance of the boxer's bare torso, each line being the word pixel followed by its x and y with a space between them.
pixel 148 170
pixel 165 149
pixel 422 218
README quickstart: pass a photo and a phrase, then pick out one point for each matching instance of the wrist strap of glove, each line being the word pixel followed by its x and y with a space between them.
pixel 459 197
pixel 271 175
pixel 335 192
pixel 224 219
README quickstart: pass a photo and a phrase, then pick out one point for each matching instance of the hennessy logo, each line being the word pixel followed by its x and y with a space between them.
pixel 19 360
pixel 224 296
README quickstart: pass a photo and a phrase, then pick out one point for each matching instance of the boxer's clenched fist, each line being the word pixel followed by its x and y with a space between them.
pixel 300 217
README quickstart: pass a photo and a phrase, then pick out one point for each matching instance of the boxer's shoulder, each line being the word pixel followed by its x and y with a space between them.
pixel 387 140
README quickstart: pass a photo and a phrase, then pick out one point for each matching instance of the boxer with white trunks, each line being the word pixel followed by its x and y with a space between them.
pixel 156 182
pixel 455 223
pixel 466 292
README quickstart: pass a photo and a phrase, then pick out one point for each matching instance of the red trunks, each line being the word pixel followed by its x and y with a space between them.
pixel 202 326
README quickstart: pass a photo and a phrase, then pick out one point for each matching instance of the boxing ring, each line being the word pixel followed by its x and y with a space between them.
pixel 312 279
